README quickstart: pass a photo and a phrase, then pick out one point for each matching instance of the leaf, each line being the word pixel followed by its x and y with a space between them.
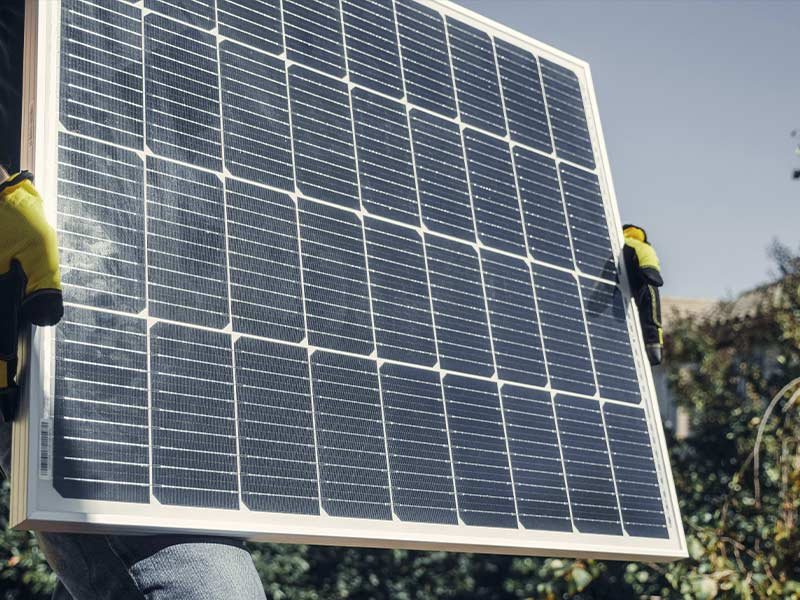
pixel 581 577
pixel 696 549
pixel 706 588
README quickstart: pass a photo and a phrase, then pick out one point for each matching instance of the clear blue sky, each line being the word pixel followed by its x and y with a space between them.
pixel 697 101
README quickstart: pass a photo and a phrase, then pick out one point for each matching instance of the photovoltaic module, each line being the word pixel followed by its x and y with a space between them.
pixel 335 272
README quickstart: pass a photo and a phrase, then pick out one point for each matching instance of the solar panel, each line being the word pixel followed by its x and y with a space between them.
pixel 337 272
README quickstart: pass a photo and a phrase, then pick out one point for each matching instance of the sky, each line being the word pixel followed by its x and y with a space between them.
pixel 697 100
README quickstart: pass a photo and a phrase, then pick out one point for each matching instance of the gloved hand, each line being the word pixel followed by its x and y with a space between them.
pixel 30 282
pixel 644 276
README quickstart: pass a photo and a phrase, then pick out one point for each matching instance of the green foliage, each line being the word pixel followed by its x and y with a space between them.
pixel 742 531
pixel 24 574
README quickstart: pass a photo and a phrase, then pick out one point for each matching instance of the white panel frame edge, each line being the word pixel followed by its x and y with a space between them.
pixel 36 505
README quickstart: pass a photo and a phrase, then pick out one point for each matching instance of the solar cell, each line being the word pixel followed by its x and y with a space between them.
pixel 514 321
pixel 354 478
pixel 330 262
pixel 100 224
pixel 590 237
pixel 543 208
pixel 494 194
pixel 373 53
pixel 335 279
pixel 536 460
pixel 386 172
pixel 426 58
pixel 401 301
pixel 199 13
pixel 634 470
pixel 182 93
pixel 264 262
pixel 187 278
pixel 475 71
pixel 523 96
pixel 193 424
pixel 101 434
pixel 102 52
pixel 480 453
pixel 255 116
pixel 277 445
pixel 313 33
pixel 590 480
pixel 322 134
pixel 564 331
pixel 610 340
pixel 417 443
pixel 567 114
pixel 256 23
pixel 441 176
pixel 459 307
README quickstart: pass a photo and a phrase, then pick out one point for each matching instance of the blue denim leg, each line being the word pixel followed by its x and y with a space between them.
pixel 186 568
pixel 145 567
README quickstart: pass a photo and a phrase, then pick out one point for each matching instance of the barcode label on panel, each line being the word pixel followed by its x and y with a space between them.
pixel 45 449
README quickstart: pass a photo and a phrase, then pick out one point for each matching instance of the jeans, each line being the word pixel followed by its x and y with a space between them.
pixel 144 567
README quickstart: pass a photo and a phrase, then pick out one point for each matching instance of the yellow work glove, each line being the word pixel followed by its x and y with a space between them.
pixel 30 282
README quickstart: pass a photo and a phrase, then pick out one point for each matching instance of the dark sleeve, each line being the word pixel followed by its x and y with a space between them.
pixel 631 267
pixel 648 301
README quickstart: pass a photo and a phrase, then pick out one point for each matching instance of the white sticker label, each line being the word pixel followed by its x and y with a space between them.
pixel 45 449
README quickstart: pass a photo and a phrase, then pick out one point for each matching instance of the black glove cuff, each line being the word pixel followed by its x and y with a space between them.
pixel 652 276
pixel 43 308
pixel 9 402
pixel 18 178
pixel 655 354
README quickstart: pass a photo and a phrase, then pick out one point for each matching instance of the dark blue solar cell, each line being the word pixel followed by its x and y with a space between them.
pixel 635 471
pixel 264 263
pixel 182 93
pixel 480 456
pixel 187 271
pixel 353 470
pixel 100 447
pixel 523 96
pixel 386 168
pixel 564 329
pixel 101 70
pixel 277 450
pixel 543 208
pixel 335 279
pixel 479 100
pixel 536 459
pixel 401 302
pixel 199 13
pixel 325 164
pixel 513 319
pixel 588 223
pixel 193 417
pixel 256 23
pixel 459 308
pixel 426 60
pixel 373 57
pixel 313 30
pixel 255 114
pixel 567 114
pixel 494 192
pixel 592 493
pixel 611 343
pixel 101 224
pixel 441 176
pixel 419 454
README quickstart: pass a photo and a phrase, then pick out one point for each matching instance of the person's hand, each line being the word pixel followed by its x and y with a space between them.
pixel 30 282
pixel 655 354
